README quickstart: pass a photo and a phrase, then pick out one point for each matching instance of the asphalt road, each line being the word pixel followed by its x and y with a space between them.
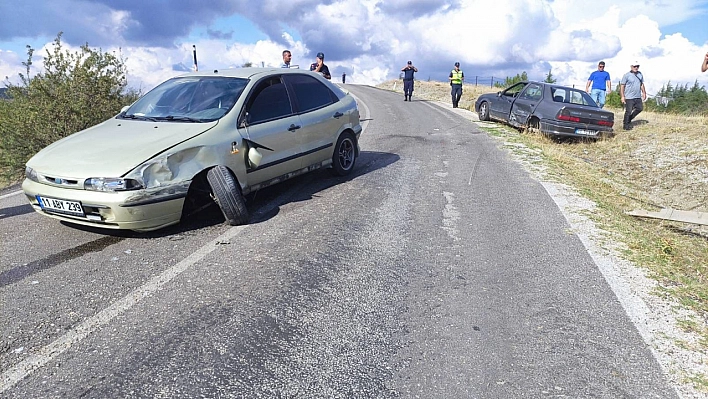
pixel 440 269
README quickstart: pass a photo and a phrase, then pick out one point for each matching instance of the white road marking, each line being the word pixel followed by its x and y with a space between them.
pixel 21 370
pixel 12 194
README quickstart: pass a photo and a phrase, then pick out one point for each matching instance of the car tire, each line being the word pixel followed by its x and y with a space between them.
pixel 534 126
pixel 227 194
pixel 484 111
pixel 345 154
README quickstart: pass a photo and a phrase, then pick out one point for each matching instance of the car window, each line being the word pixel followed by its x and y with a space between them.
pixel 309 92
pixel 269 101
pixel 196 99
pixel 514 90
pixel 571 96
pixel 532 92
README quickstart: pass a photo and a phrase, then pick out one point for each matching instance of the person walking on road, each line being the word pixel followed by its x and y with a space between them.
pixel 456 79
pixel 633 94
pixel 408 72
pixel 601 84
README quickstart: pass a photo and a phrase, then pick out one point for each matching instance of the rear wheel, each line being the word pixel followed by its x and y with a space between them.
pixel 484 111
pixel 345 153
pixel 534 126
pixel 227 194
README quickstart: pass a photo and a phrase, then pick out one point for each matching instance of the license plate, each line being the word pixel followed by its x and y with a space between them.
pixel 61 206
pixel 584 132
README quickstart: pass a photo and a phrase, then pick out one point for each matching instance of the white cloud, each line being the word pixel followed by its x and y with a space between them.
pixel 370 39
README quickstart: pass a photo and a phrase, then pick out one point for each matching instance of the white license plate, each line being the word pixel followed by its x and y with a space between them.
pixel 584 132
pixel 61 206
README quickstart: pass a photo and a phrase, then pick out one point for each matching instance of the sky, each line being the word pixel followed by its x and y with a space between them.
pixel 371 40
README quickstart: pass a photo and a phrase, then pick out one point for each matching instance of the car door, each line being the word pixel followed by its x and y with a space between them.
pixel 321 119
pixel 501 108
pixel 271 127
pixel 525 104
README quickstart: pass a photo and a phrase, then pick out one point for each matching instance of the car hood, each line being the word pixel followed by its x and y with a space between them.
pixel 112 148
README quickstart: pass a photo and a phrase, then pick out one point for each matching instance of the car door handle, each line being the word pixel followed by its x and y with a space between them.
pixel 293 127
pixel 338 115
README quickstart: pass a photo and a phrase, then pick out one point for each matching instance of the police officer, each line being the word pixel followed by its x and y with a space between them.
pixel 408 71
pixel 456 79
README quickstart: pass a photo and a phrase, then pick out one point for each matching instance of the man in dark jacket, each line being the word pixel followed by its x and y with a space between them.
pixel 408 72
pixel 319 66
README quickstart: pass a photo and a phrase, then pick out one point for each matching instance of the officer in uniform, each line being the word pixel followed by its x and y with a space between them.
pixel 408 71
pixel 456 79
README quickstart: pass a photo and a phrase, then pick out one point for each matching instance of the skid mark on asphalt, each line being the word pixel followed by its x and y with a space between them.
pixel 21 272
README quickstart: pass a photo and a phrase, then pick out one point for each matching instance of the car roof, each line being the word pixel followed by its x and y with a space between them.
pixel 247 73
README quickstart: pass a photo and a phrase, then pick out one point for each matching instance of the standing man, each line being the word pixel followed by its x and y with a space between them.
pixel 344 77
pixel 456 79
pixel 319 66
pixel 408 72
pixel 633 94
pixel 704 67
pixel 286 59
pixel 601 85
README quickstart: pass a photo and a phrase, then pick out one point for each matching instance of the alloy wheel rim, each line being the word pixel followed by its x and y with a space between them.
pixel 346 154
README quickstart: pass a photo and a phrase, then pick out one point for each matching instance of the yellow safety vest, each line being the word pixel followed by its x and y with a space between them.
pixel 456 77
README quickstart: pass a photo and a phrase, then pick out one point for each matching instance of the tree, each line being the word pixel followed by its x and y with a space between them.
pixel 247 65
pixel 73 92
pixel 509 81
pixel 549 78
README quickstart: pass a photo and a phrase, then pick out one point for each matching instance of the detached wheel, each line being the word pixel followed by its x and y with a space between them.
pixel 227 194
pixel 345 153
pixel 484 111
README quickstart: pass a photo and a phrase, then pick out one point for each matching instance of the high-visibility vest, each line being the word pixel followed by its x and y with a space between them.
pixel 456 77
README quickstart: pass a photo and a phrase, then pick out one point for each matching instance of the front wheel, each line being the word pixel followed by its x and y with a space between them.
pixel 227 194
pixel 484 111
pixel 345 154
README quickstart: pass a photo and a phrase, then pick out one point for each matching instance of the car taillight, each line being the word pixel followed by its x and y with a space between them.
pixel 606 123
pixel 564 115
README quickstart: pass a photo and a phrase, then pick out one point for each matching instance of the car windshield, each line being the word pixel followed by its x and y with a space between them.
pixel 188 99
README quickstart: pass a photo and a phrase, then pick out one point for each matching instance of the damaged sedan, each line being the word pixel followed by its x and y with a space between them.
pixel 547 108
pixel 193 140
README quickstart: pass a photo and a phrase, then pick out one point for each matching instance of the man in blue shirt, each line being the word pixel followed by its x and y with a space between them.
pixel 408 72
pixel 601 85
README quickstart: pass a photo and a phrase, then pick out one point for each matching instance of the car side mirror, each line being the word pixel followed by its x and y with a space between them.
pixel 122 110
pixel 254 157
pixel 498 94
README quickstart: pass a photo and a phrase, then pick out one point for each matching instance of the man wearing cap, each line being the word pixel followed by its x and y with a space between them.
pixel 456 79
pixel 601 85
pixel 319 66
pixel 633 94
pixel 408 72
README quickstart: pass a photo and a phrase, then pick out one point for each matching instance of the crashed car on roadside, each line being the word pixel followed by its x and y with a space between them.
pixel 196 138
pixel 547 108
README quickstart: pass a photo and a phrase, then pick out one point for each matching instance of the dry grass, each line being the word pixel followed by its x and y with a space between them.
pixel 661 163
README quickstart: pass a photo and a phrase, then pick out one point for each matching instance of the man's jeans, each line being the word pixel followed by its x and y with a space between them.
pixel 632 108
pixel 598 95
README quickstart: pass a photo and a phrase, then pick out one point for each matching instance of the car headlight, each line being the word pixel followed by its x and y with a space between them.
pixel 111 184
pixel 31 174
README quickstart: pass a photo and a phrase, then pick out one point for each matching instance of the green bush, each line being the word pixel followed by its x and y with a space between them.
pixel 75 91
